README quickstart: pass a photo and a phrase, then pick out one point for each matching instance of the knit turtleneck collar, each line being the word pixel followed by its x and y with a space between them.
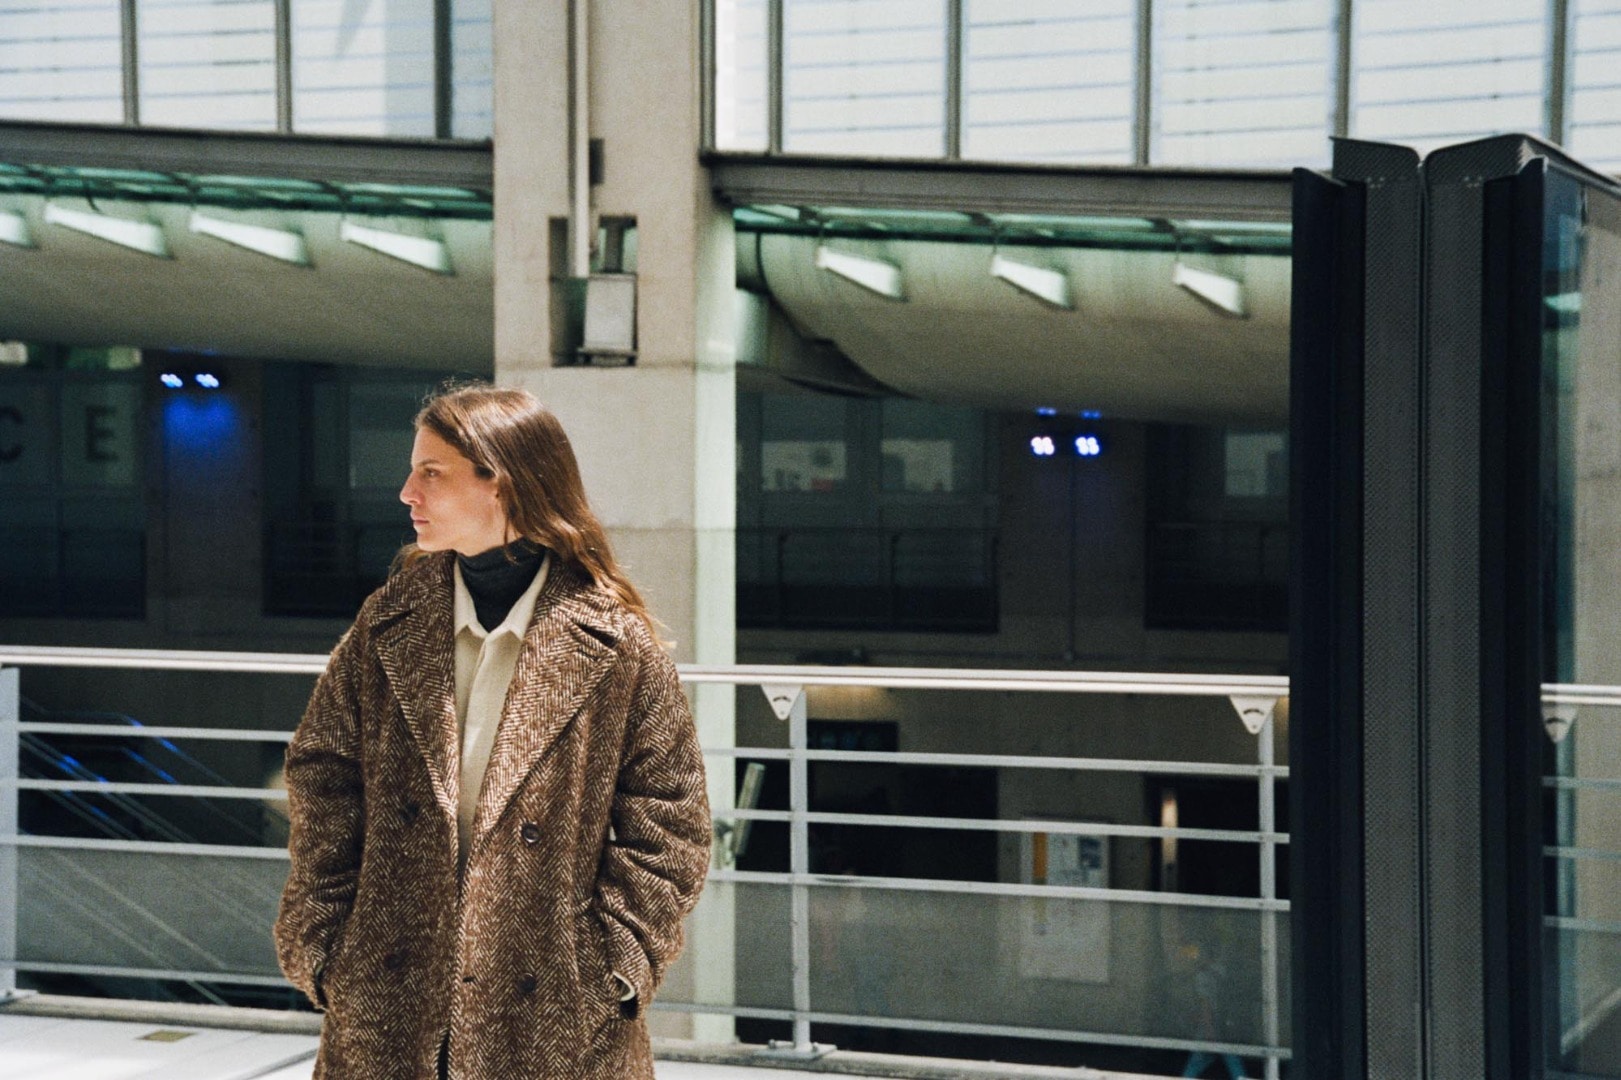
pixel 497 577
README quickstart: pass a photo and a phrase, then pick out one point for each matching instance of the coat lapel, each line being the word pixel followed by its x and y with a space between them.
pixel 567 651
pixel 416 646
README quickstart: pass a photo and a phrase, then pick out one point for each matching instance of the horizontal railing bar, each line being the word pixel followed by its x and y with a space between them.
pixel 1017 761
pixel 143 847
pixel 164 659
pixel 111 787
pixel 1008 825
pixel 1580 694
pixel 1566 922
pixel 1151 1042
pixel 43 727
pixel 176 975
pixel 1580 783
pixel 1011 761
pixel 999 888
pixel 1596 854
pixel 1114 682
pixel 898 678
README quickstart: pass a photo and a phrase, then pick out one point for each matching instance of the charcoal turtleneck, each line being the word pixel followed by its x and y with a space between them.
pixel 497 577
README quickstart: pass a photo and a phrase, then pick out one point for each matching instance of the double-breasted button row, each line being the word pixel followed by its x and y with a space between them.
pixel 530 833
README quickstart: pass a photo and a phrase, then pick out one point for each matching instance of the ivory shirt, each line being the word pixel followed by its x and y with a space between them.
pixel 485 661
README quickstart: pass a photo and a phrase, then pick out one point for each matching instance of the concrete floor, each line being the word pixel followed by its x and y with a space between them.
pixel 55 1048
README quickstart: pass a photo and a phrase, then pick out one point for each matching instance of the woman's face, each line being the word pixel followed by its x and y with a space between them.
pixel 453 508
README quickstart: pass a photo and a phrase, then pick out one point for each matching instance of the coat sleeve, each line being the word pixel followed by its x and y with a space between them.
pixel 325 808
pixel 655 864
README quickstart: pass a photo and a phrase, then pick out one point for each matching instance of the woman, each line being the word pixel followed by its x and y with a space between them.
pixel 497 796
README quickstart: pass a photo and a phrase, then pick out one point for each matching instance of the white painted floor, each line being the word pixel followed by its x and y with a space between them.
pixel 48 1048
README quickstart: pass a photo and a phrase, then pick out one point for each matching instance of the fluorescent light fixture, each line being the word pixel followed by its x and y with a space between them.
pixel 1217 289
pixel 142 236
pixel 171 380
pixel 416 250
pixel 13 354
pixel 207 381
pixel 289 247
pixel 14 229
pixel 874 275
pixel 1048 286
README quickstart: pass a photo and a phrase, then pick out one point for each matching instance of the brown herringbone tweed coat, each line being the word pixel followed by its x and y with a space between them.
pixel 590 844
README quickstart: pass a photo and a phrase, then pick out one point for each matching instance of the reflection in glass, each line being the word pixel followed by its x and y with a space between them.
pixel 1581 602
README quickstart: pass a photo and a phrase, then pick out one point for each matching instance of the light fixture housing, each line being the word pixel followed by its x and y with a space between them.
pixel 14 229
pixel 874 275
pixel 423 251
pixel 288 247
pixel 1049 286
pixel 142 236
pixel 1220 291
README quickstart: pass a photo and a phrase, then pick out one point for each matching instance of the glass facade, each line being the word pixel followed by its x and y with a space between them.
pixel 1049 81
pixel 204 64
pixel 352 69
pixel 864 79
pixel 363 70
pixel 1427 74
pixel 61 61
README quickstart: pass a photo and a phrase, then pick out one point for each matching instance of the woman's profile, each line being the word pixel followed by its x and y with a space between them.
pixel 497 797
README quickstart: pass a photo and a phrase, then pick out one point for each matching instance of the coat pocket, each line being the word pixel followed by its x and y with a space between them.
pixel 598 987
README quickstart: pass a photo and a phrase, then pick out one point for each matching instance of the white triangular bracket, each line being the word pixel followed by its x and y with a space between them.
pixel 1557 719
pixel 782 697
pixel 1254 711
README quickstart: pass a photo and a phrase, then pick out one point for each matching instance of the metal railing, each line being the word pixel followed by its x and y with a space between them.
pixel 855 945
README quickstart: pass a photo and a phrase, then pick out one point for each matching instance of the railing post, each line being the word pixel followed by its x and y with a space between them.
pixel 789 703
pixel 1269 891
pixel 1258 715
pixel 10 768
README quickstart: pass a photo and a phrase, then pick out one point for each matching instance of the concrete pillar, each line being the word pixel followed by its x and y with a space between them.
pixel 656 440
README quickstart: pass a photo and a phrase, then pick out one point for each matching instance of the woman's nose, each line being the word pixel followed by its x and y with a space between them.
pixel 408 494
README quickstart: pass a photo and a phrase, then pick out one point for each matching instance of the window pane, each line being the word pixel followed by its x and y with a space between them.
pixel 1242 82
pixel 1049 80
pixel 1594 117
pixel 865 78
pixel 207 63
pixel 472 83
pixel 1449 70
pixel 363 69
pixel 61 60
pixel 742 81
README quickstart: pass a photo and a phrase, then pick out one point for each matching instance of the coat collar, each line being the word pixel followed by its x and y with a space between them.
pixel 566 652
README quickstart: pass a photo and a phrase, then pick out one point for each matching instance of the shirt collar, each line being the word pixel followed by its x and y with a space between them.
pixel 517 621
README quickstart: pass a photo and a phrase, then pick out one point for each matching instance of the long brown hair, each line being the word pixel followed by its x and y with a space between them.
pixel 509 435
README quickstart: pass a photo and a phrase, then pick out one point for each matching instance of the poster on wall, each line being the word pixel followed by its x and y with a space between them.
pixel 1062 938
pixel 802 465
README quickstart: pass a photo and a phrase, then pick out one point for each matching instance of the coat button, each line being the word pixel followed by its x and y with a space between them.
pixel 530 832
pixel 394 960
pixel 409 812
pixel 526 985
